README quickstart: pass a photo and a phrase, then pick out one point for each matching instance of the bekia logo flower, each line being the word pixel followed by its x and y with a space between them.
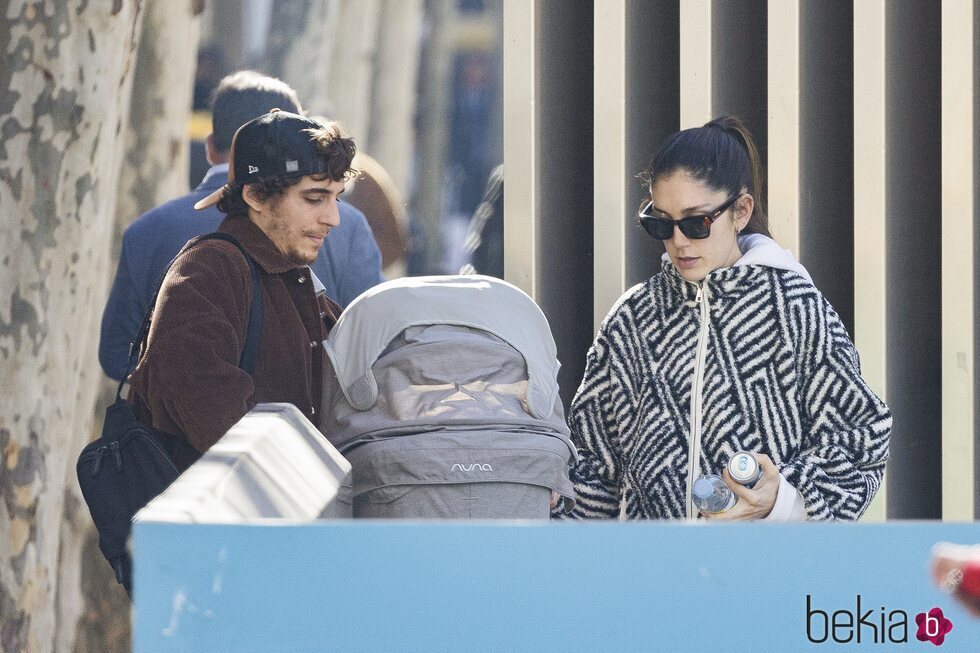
pixel 933 626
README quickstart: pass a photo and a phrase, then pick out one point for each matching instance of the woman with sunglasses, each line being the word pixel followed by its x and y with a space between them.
pixel 730 347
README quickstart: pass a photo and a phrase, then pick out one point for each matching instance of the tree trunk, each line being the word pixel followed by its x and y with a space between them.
pixel 352 64
pixel 356 62
pixel 68 70
pixel 156 165
pixel 155 169
pixel 300 49
pixel 391 136
pixel 325 49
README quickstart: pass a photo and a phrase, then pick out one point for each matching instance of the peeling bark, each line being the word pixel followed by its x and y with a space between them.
pixel 68 76
pixel 155 168
pixel 104 626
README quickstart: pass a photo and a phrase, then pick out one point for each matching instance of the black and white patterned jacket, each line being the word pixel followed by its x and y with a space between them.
pixel 780 376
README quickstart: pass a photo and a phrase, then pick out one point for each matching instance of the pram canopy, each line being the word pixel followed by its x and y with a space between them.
pixel 446 379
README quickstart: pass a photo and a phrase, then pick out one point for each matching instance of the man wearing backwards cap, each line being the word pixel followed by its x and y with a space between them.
pixel 349 262
pixel 286 173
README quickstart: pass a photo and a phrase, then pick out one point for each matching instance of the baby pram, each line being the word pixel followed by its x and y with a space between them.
pixel 444 398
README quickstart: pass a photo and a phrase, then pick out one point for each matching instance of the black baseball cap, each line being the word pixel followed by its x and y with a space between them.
pixel 276 144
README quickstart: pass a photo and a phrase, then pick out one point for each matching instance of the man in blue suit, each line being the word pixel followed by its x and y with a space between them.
pixel 348 263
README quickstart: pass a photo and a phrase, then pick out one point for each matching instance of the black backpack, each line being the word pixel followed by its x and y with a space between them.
pixel 130 463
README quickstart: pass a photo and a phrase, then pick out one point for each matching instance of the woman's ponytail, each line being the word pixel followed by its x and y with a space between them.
pixel 759 221
pixel 723 156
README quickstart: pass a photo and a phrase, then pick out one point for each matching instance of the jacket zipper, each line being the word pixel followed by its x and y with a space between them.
pixel 697 386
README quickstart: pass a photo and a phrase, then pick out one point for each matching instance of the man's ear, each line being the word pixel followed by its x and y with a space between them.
pixel 251 199
pixel 215 156
pixel 209 150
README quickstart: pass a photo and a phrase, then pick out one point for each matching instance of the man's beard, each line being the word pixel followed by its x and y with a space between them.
pixel 280 227
pixel 300 258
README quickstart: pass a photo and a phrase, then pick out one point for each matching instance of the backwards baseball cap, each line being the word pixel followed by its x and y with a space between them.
pixel 276 144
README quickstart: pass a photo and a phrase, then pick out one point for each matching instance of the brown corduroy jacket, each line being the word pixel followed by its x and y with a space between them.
pixel 188 382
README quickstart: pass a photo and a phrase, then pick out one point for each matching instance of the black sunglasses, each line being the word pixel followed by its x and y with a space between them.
pixel 695 227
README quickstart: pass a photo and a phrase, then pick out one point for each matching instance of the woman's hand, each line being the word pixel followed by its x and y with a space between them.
pixel 754 503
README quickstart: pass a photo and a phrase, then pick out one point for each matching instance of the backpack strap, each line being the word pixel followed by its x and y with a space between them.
pixel 250 352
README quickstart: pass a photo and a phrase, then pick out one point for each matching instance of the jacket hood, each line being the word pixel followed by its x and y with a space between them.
pixel 762 250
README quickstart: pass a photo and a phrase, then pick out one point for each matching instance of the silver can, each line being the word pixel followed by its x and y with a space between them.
pixel 744 469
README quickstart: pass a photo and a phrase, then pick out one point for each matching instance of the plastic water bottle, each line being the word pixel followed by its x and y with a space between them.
pixel 711 495
pixel 744 468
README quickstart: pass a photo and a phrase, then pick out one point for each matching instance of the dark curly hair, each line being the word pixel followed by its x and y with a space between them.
pixel 336 153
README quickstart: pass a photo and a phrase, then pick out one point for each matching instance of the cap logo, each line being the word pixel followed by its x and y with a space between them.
pixel 292 166
pixel 252 170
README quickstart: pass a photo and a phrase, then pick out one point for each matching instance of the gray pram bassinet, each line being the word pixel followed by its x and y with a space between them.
pixel 444 399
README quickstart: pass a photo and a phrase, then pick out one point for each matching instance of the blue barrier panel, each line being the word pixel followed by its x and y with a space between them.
pixel 442 586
